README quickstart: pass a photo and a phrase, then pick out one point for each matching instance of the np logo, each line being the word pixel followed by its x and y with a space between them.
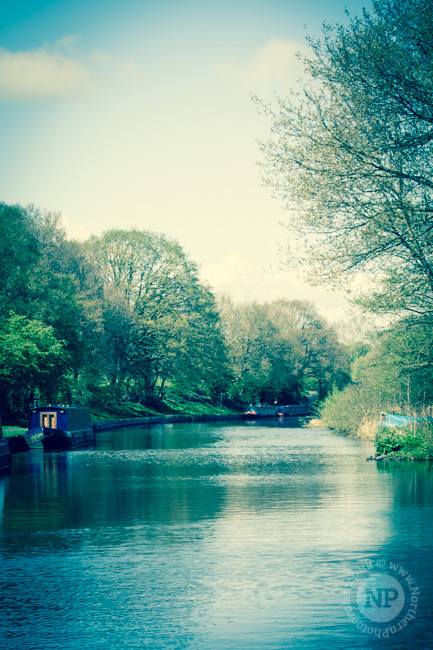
pixel 380 597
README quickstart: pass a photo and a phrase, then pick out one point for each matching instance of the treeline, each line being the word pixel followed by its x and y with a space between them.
pixel 352 157
pixel 125 317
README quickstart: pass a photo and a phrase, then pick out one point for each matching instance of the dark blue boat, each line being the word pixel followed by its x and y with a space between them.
pixel 59 427
pixel 5 452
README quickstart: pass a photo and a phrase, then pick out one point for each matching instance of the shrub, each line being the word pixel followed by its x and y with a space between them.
pixel 413 444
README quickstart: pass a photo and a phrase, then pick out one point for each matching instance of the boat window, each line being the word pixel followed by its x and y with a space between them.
pixel 48 419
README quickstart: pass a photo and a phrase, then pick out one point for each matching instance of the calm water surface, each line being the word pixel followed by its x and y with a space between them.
pixel 240 536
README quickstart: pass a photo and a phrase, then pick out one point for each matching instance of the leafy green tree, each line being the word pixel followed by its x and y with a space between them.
pixel 161 323
pixel 45 276
pixel 18 258
pixel 281 350
pixel 31 357
pixel 400 367
pixel 250 338
pixel 309 346
pixel 352 155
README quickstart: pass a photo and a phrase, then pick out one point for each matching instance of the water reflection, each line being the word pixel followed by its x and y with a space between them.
pixel 412 481
pixel 205 536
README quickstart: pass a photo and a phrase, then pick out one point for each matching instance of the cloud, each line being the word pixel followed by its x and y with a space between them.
pixel 274 66
pixel 41 74
pixel 73 229
pixel 243 280
pixel 55 71
pixel 126 68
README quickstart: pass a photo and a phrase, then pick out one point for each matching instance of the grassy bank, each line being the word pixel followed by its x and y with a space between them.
pixel 130 410
pixel 168 407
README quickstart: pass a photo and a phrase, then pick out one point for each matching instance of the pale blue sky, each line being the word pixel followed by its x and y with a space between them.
pixel 138 113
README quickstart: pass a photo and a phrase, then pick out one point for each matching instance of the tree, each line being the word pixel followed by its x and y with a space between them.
pixel 250 338
pixel 317 358
pixel 281 350
pixel 401 366
pixel 17 255
pixel 44 276
pixel 394 376
pixel 352 158
pixel 31 357
pixel 161 323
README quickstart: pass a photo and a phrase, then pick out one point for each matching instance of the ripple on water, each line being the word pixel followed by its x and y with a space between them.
pixel 205 537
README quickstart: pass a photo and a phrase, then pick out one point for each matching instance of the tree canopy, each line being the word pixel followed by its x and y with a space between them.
pixel 31 357
pixel 161 321
pixel 125 317
pixel 281 351
pixel 351 156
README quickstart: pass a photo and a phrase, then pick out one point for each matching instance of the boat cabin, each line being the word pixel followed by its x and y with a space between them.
pixel 65 418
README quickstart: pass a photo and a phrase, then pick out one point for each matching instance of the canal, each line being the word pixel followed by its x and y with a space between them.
pixel 234 536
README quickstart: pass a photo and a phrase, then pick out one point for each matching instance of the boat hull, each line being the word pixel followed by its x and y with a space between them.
pixel 5 456
pixel 56 439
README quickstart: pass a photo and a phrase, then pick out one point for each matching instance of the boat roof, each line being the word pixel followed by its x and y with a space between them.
pixel 57 407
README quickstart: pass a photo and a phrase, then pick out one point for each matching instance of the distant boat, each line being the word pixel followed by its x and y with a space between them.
pixel 5 452
pixel 292 410
pixel 59 427
pixel 263 410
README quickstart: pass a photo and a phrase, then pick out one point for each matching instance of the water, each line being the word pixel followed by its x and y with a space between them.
pixel 234 536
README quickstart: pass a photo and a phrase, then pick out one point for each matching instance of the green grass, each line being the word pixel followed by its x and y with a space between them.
pixel 125 411
pixel 8 432
pixel 406 443
pixel 130 410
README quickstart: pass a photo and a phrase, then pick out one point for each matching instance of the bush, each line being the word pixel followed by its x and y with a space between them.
pixel 412 444
pixel 347 412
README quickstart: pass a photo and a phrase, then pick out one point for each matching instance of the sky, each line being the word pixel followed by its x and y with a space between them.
pixel 138 114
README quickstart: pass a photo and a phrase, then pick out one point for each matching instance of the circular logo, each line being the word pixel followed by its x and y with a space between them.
pixel 380 597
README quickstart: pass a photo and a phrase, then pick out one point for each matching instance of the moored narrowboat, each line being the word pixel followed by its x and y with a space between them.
pixel 264 410
pixel 261 410
pixel 59 427
pixel 5 452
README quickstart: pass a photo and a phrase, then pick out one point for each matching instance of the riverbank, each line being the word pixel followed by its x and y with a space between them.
pixel 105 425
pixel 391 443
pixel 178 407
pixel 132 414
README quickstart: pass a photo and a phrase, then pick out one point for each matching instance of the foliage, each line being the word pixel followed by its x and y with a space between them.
pixel 44 276
pixel 281 350
pixel 124 318
pixel 346 410
pixel 352 156
pixel 394 376
pixel 30 356
pixel 407 443
pixel 389 441
pixel 161 325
